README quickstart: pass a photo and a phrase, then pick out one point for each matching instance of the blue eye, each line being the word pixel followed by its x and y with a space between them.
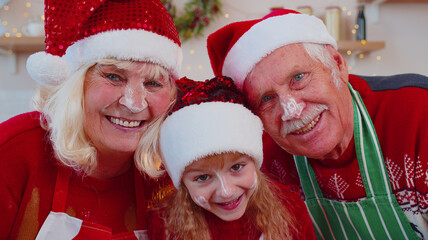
pixel 152 84
pixel 267 98
pixel 298 77
pixel 112 77
pixel 202 178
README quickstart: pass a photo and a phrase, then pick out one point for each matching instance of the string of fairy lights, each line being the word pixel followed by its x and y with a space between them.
pixel 228 8
pixel 13 25
pixel 9 28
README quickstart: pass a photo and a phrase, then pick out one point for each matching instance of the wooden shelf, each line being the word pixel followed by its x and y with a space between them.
pixel 360 46
pixel 35 44
pixel 22 44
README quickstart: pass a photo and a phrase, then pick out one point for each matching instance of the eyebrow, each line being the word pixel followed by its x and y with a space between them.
pixel 114 66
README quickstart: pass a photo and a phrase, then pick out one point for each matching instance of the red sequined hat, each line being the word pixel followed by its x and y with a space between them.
pixel 208 118
pixel 236 48
pixel 84 31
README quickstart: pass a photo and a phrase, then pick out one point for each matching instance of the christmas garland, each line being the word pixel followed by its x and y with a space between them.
pixel 197 15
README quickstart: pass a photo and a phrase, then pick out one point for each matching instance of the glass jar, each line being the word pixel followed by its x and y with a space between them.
pixel 332 21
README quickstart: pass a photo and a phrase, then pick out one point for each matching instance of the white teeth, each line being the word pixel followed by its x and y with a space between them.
pixel 124 123
pixel 308 127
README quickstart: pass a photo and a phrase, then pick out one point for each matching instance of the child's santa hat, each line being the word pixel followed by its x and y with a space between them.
pixel 82 32
pixel 208 118
pixel 235 49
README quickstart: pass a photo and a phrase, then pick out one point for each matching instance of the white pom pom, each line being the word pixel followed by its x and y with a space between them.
pixel 47 69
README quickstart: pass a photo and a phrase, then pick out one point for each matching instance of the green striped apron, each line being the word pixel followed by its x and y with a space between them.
pixel 377 217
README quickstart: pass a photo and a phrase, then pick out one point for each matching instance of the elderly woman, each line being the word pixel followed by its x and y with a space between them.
pixel 106 79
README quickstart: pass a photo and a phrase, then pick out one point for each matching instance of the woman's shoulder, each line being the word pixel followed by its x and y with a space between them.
pixel 23 142
pixel 19 125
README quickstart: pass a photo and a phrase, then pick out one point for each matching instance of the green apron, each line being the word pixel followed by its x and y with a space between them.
pixel 378 216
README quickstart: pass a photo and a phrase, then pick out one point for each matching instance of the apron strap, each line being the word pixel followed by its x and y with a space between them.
pixel 371 162
pixel 61 189
pixel 307 178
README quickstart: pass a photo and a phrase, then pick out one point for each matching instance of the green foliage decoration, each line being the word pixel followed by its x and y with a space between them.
pixel 197 15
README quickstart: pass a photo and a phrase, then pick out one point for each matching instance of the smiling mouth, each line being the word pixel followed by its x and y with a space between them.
pixel 231 204
pixel 308 127
pixel 126 123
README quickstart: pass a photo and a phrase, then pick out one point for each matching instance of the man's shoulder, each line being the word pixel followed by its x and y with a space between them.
pixel 392 82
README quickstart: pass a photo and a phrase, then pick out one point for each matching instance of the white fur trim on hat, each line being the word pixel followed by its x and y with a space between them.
pixel 47 69
pixel 200 130
pixel 268 35
pixel 138 45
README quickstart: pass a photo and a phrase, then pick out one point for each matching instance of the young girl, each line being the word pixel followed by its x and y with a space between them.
pixel 211 147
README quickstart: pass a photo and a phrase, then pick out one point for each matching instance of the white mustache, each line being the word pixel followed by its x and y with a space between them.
pixel 293 125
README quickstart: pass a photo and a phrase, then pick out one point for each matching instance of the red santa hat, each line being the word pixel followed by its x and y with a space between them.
pixel 235 49
pixel 84 31
pixel 208 118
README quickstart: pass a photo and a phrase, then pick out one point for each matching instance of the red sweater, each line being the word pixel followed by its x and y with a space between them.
pixel 28 171
pixel 400 118
pixel 241 229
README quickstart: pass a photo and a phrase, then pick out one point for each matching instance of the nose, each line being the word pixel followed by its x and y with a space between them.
pixel 291 108
pixel 225 189
pixel 134 98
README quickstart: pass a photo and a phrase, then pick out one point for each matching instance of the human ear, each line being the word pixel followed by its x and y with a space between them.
pixel 340 62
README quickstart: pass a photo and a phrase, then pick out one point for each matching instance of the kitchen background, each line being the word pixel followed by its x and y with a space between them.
pixel 396 39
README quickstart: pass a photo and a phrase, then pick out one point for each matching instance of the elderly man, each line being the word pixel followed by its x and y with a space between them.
pixel 359 144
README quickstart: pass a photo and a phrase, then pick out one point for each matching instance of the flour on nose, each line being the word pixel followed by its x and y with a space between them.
pixel 292 109
pixel 129 100
pixel 225 191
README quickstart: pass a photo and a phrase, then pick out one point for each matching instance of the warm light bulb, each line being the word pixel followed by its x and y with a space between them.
pixel 43 17
pixel 25 14
pixel 378 58
pixel 354 31
pixel 18 35
pixel 4 23
pixel 364 42
pixel 356 26
pixel 361 55
pixel 188 68
pixel 226 15
pixel 349 52
pixel 200 67
pixel 14 30
pixel 28 4
pixel 7 34
pixel 349 13
pixel 344 8
pixel 192 51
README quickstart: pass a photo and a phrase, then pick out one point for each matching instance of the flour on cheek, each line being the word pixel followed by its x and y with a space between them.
pixel 202 202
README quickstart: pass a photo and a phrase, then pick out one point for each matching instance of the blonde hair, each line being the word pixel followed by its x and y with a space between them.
pixel 62 109
pixel 185 220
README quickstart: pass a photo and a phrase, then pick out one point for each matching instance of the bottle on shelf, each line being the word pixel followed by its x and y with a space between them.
pixel 361 24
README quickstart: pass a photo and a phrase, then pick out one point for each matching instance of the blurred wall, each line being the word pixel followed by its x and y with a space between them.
pixel 400 25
